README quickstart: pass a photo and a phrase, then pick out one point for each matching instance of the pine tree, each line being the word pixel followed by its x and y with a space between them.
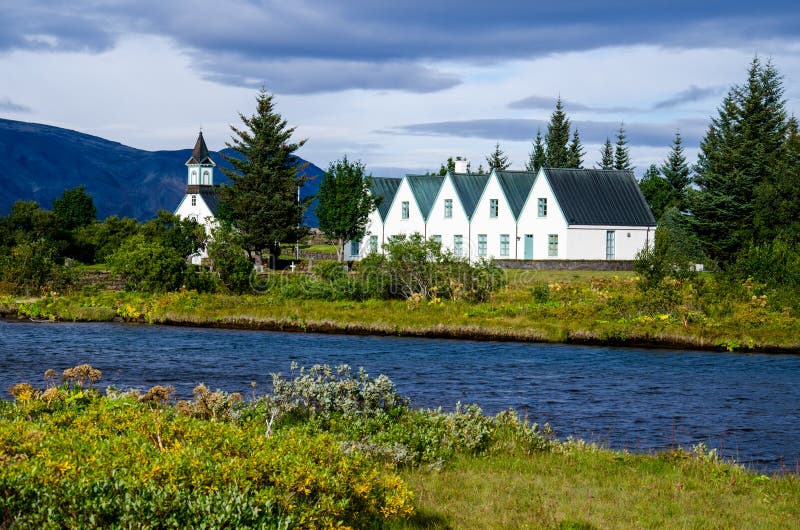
pixel 656 191
pixel 576 151
pixel 675 171
pixel 742 158
pixel 262 201
pixel 622 156
pixel 607 155
pixel 537 156
pixel 557 151
pixel 345 202
pixel 498 159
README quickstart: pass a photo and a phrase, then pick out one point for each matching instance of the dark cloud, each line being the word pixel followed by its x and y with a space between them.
pixel 549 103
pixel 7 105
pixel 592 132
pixel 367 33
pixel 691 94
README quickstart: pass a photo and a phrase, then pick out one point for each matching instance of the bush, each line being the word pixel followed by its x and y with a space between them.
pixel 147 265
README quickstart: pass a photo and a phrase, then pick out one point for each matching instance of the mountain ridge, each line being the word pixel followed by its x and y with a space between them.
pixel 40 161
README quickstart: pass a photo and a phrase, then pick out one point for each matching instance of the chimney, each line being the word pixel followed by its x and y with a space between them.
pixel 461 165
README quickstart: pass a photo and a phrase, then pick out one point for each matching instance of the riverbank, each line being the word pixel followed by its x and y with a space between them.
pixel 559 307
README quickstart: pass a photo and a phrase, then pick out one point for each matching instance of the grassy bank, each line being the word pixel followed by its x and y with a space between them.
pixel 333 448
pixel 553 306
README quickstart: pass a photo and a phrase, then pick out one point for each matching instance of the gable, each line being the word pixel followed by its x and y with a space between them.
pixel 516 186
pixel 599 197
pixel 425 189
pixel 469 187
pixel 386 188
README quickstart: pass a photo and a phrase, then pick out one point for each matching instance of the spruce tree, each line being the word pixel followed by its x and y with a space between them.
pixel 777 206
pixel 607 155
pixel 345 202
pixel 262 200
pixel 675 171
pixel 576 151
pixel 656 191
pixel 498 159
pixel 743 156
pixel 537 156
pixel 557 150
pixel 622 156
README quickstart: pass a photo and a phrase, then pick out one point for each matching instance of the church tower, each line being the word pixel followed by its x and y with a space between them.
pixel 200 166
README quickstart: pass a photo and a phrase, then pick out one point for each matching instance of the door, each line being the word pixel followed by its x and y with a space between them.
pixel 528 246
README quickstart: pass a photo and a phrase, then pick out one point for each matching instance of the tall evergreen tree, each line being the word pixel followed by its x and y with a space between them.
pixel 576 151
pixel 262 201
pixel 622 155
pixel 557 151
pixel 607 155
pixel 742 157
pixel 675 171
pixel 345 202
pixel 537 156
pixel 656 191
pixel 498 159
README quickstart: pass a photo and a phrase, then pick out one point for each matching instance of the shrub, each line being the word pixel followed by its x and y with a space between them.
pixel 148 265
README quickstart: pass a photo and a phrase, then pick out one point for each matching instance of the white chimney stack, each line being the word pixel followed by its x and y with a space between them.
pixel 461 165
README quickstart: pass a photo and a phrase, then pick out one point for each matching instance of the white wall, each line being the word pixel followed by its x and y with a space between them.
pixel 483 223
pixel 395 225
pixel 541 227
pixel 201 213
pixel 449 227
pixel 589 242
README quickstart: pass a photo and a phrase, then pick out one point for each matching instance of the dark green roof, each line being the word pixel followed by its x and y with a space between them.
pixel 425 189
pixel 516 185
pixel 599 197
pixel 386 188
pixel 200 155
pixel 469 187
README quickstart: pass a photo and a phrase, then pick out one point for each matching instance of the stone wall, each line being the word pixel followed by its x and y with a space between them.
pixel 566 264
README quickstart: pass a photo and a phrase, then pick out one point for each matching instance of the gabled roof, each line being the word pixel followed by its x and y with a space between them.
pixel 469 187
pixel 208 194
pixel 425 189
pixel 516 186
pixel 599 197
pixel 200 155
pixel 387 189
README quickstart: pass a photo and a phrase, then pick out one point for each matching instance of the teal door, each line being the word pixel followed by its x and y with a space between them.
pixel 528 246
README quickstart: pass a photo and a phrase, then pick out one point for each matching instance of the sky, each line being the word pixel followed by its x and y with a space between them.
pixel 400 86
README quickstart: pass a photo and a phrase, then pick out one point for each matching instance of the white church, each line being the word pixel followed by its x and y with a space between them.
pixel 555 214
pixel 201 202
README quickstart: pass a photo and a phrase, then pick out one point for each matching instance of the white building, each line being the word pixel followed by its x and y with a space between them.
pixel 201 202
pixel 575 214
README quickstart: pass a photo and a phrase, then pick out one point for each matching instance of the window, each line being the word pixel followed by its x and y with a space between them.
pixel 542 207
pixel 354 248
pixel 404 210
pixel 448 208
pixel 610 244
pixel 458 245
pixel 193 178
pixel 373 243
pixel 206 177
pixel 552 245
pixel 194 200
pixel 481 245
pixel 504 244
pixel 436 239
pixel 493 208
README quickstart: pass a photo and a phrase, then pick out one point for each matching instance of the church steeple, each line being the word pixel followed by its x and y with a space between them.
pixel 200 166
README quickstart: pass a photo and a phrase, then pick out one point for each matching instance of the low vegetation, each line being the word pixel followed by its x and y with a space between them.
pixel 329 447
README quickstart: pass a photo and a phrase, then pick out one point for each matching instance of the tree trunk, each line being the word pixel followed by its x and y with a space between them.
pixel 340 250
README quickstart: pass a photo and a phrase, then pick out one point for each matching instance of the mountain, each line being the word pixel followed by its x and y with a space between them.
pixel 38 162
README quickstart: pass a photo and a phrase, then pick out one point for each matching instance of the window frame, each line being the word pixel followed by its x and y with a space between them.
pixel 505 245
pixel 483 243
pixel 494 208
pixel 458 245
pixel 448 208
pixel 405 210
pixel 552 245
pixel 542 207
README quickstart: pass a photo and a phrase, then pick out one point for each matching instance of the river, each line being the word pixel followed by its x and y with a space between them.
pixel 745 406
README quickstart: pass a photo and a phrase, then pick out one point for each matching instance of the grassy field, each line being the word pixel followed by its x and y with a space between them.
pixel 552 306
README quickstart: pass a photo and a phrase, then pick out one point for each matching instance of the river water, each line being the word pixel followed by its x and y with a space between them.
pixel 746 406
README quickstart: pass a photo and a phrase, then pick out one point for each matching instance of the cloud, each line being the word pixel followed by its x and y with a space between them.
pixel 691 94
pixel 591 132
pixel 549 103
pixel 7 105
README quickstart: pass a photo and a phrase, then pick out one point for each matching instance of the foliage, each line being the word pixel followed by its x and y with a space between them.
pixel 607 155
pixel 229 259
pixel 345 202
pixel 537 156
pixel 262 202
pixel 674 253
pixel 775 265
pixel 148 265
pixel 31 266
pixel 75 208
pixel 675 171
pixel 656 191
pixel 622 157
pixel 186 237
pixel 557 152
pixel 497 159
pixel 742 158
pixel 576 151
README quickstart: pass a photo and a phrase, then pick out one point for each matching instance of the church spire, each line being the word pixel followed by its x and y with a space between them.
pixel 200 155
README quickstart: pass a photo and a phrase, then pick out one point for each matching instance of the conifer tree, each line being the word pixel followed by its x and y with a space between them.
pixel 576 151
pixel 262 202
pixel 675 171
pixel 743 156
pixel 607 155
pixel 557 151
pixel 622 156
pixel 537 156
pixel 498 159
pixel 656 191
